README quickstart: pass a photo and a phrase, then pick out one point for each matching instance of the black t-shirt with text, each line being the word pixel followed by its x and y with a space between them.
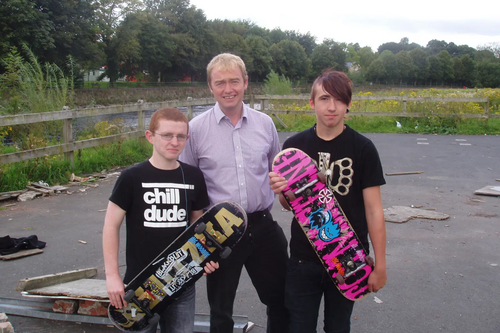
pixel 158 205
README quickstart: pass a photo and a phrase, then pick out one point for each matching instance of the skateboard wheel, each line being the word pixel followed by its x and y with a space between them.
pixel 369 261
pixel 322 177
pixel 200 228
pixel 340 279
pixel 129 295
pixel 154 320
pixel 225 252
pixel 290 195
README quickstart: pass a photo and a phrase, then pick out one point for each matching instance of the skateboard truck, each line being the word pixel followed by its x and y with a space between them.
pixel 351 264
pixel 143 305
pixel 305 186
pixel 211 242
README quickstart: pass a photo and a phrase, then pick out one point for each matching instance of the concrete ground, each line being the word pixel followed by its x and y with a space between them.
pixel 442 275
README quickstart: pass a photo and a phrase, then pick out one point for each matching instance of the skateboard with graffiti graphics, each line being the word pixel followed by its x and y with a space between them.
pixel 324 223
pixel 180 265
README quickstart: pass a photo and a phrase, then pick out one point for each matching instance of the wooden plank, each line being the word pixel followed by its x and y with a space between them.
pixel 21 254
pixel 52 279
pixel 403 173
pixel 93 289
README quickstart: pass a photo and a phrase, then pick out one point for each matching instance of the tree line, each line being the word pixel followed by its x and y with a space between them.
pixel 170 40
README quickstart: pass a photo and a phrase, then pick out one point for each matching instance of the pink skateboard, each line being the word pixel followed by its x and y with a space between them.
pixel 324 223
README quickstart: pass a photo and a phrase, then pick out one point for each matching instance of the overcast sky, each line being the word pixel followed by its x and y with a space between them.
pixel 369 22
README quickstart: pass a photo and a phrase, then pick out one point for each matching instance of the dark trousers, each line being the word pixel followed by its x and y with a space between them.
pixel 263 252
pixel 307 282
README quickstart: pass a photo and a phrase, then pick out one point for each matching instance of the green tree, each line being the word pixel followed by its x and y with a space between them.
pixel 435 46
pixel 391 66
pixel 489 74
pixel 321 58
pixel 435 71
pixel 261 58
pixel 446 65
pixel 366 56
pixel 458 71
pixel 307 41
pixel 470 70
pixel 339 52
pixel 376 71
pixel 406 68
pixel 22 23
pixel 421 65
pixel 290 59
pixel 277 35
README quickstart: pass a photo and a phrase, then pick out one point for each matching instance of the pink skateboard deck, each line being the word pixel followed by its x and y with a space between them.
pixel 324 223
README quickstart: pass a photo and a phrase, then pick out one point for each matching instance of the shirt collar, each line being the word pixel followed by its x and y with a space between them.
pixel 219 114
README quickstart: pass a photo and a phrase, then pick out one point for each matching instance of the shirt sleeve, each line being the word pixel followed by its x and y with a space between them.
pixel 189 155
pixel 201 201
pixel 372 174
pixel 122 194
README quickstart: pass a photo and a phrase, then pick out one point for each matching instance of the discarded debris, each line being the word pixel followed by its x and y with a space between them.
pixel 377 300
pixel 83 242
pixel 494 265
pixel 400 214
pixel 41 190
pixel 490 190
pixel 403 173
pixel 74 178
pixel 30 195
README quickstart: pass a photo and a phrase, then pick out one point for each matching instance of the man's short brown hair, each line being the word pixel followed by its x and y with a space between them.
pixel 172 114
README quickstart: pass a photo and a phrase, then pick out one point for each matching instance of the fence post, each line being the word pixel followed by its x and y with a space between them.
pixel 190 108
pixel 487 110
pixel 404 104
pixel 263 105
pixel 68 138
pixel 141 121
pixel 252 101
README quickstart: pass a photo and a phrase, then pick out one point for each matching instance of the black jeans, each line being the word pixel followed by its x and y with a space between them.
pixel 263 252
pixel 307 282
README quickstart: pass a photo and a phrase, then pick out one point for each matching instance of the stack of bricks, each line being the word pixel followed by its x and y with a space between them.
pixel 83 307
pixel 5 326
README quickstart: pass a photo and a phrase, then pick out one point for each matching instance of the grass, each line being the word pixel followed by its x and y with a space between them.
pixel 55 170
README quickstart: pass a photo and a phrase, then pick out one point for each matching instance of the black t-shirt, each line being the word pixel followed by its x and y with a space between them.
pixel 158 205
pixel 351 163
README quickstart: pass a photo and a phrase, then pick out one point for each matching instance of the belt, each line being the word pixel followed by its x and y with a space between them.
pixel 258 214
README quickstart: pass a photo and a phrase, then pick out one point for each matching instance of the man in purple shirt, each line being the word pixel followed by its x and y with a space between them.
pixel 234 147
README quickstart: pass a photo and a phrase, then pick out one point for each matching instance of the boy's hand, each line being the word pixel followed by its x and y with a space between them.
pixel 277 182
pixel 210 267
pixel 116 291
pixel 377 279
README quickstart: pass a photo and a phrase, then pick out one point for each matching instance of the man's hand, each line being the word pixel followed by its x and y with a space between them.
pixel 210 267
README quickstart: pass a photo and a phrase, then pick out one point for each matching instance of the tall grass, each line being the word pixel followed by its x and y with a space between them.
pixel 274 84
pixel 32 87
